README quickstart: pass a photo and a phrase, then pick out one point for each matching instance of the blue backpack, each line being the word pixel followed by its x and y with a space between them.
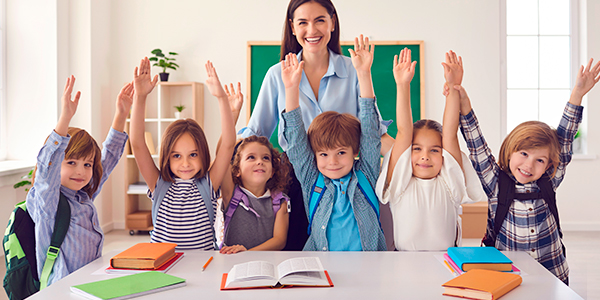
pixel 319 189
pixel 21 279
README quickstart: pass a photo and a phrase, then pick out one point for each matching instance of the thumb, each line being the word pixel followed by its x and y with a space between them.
pixel 352 53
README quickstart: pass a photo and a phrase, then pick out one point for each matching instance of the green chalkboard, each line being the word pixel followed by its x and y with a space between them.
pixel 263 55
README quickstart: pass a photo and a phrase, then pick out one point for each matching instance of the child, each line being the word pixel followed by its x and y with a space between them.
pixel 72 164
pixel 522 213
pixel 422 176
pixel 186 179
pixel 344 218
pixel 261 221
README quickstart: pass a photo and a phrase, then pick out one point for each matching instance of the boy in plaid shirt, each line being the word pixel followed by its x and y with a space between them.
pixel 522 213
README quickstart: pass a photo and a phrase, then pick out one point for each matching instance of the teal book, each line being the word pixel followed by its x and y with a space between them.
pixel 129 286
pixel 488 258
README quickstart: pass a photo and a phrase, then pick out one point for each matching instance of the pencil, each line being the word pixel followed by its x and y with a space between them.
pixel 206 264
pixel 445 262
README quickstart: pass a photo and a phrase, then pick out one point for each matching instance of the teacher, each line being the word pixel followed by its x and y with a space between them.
pixel 329 83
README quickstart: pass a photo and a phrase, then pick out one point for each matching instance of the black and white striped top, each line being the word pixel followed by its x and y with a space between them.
pixel 183 219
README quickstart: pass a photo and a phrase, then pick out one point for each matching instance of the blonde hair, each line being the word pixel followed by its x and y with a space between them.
pixel 170 137
pixel 530 135
pixel 331 129
pixel 82 145
pixel 280 177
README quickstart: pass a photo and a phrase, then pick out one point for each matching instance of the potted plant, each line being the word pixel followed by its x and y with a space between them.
pixel 179 109
pixel 25 181
pixel 161 60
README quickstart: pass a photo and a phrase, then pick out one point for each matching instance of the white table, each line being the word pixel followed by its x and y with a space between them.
pixel 355 275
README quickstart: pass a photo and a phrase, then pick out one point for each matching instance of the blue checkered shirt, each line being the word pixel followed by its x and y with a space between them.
pixel 529 225
pixel 305 166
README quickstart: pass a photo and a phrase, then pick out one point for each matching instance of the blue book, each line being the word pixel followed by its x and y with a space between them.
pixel 488 258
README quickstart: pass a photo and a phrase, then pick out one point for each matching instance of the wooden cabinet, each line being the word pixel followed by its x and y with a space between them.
pixel 160 112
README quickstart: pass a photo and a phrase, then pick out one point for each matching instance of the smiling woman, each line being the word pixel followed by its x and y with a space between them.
pixel 329 83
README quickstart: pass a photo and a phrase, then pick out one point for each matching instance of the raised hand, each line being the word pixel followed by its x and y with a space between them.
pixel 404 67
pixel 586 79
pixel 213 83
pixel 291 71
pixel 236 99
pixel 125 98
pixel 142 82
pixel 453 68
pixel 362 55
pixel 69 106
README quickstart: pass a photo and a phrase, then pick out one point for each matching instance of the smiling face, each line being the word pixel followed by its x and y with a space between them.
pixel 312 25
pixel 426 154
pixel 335 163
pixel 256 167
pixel 76 173
pixel 529 165
pixel 184 159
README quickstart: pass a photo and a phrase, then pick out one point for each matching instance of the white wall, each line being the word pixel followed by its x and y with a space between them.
pixel 122 32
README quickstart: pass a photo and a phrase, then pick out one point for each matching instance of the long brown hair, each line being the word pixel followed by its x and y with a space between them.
pixel 280 177
pixel 83 145
pixel 170 137
pixel 289 42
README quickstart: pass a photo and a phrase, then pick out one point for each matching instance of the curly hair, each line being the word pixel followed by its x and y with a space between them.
pixel 280 178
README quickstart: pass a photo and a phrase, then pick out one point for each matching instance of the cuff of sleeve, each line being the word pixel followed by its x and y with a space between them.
pixel 468 118
pixel 246 132
pixel 58 141
pixel 574 112
pixel 117 136
pixel 293 118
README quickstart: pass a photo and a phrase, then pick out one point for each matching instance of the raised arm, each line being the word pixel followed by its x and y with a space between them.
pixel 223 156
pixel 69 107
pixel 404 70
pixel 453 73
pixel 236 99
pixel 362 59
pixel 586 79
pixel 142 85
pixel 291 74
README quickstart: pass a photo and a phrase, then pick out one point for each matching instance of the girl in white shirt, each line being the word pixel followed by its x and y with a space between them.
pixel 422 176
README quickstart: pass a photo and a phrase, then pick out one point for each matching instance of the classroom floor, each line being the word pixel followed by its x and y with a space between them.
pixel 582 255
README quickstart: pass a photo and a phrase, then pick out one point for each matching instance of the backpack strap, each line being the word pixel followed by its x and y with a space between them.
pixel 367 190
pixel 316 194
pixel 277 197
pixel 61 225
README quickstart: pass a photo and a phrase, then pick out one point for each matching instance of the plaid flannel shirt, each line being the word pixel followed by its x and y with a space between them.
pixel 529 225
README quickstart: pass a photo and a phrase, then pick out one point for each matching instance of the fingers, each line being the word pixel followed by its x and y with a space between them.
pixel 154 81
pixel 239 88
pixel 76 100
pixel 396 59
pixel 69 85
pixel 227 89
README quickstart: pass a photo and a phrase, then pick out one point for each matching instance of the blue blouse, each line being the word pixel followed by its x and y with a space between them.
pixel 338 91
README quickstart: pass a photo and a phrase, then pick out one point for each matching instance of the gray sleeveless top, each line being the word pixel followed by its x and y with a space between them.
pixel 247 229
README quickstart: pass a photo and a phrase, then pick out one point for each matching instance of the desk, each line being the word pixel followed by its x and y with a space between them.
pixel 355 275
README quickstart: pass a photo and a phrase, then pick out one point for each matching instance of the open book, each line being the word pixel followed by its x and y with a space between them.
pixel 300 271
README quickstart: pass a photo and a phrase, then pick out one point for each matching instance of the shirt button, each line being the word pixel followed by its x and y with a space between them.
pixel 324 248
pixel 343 192
pixel 532 249
pixel 528 191
pixel 55 143
pixel 530 209
pixel 341 182
pixel 50 163
pixel 323 227
pixel 532 231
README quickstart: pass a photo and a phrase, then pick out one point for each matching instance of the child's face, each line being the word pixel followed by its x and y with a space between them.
pixel 335 163
pixel 312 26
pixel 529 165
pixel 426 155
pixel 184 159
pixel 256 167
pixel 75 174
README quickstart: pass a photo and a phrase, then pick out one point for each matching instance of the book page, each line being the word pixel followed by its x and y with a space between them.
pixel 250 271
pixel 299 264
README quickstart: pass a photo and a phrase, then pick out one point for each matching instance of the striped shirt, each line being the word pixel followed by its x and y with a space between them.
pixel 182 217
pixel 529 225
pixel 84 239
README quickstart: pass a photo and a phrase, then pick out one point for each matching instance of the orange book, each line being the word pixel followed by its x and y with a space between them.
pixel 144 256
pixel 481 284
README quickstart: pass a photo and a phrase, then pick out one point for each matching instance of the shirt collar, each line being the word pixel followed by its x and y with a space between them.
pixel 247 192
pixel 336 66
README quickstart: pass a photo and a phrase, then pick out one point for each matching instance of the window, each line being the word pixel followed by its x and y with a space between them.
pixel 541 59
